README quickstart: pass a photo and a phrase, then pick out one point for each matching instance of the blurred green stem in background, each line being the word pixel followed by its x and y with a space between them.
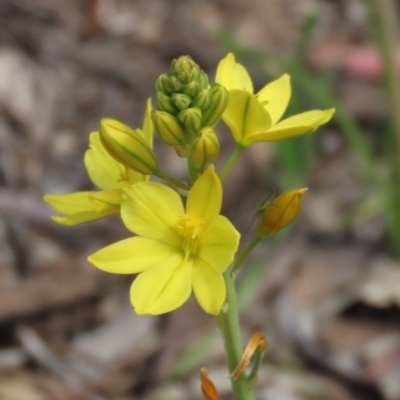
pixel 383 14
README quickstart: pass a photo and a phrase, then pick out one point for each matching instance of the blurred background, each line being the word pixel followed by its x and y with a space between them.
pixel 326 292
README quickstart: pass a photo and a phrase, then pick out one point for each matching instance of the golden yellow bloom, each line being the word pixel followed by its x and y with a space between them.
pixel 177 251
pixel 256 118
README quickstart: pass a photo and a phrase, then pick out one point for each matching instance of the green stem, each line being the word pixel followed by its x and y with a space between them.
pixel 193 170
pixel 239 261
pixel 229 324
pixel 231 161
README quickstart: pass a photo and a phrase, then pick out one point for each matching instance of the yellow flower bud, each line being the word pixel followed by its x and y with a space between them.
pixel 190 118
pixel 205 149
pixel 127 146
pixel 169 128
pixel 219 102
pixel 280 213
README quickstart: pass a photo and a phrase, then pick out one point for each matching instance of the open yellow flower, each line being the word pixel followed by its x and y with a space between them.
pixel 256 118
pixel 175 252
pixel 106 173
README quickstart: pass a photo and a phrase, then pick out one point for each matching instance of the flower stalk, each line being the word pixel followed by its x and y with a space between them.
pixel 228 320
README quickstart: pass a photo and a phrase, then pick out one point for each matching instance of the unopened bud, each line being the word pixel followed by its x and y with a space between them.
pixel 205 149
pixel 202 100
pixel 160 82
pixel 168 128
pixel 190 118
pixel 219 102
pixel 165 103
pixel 191 89
pixel 203 80
pixel 174 83
pixel 182 101
pixel 280 213
pixel 185 69
pixel 127 146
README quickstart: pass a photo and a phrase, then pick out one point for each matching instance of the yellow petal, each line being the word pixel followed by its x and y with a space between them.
pixel 275 97
pixel 135 176
pixel 219 243
pixel 163 288
pixel 299 124
pixel 205 197
pixel 147 128
pixel 77 208
pixel 106 201
pixel 103 170
pixel 245 116
pixel 70 203
pixel 233 75
pixel 79 218
pixel 131 256
pixel 152 210
pixel 208 287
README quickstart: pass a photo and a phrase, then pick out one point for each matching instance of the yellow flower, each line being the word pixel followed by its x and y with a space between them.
pixel 107 174
pixel 256 118
pixel 175 251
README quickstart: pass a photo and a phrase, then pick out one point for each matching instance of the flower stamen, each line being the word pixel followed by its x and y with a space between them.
pixel 190 228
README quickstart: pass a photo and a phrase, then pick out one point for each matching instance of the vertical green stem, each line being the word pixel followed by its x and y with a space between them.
pixel 229 324
pixel 193 171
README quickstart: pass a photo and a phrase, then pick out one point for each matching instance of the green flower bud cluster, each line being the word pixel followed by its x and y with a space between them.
pixel 186 104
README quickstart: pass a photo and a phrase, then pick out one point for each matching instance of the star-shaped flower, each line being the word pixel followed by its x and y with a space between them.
pixel 106 173
pixel 256 118
pixel 176 251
